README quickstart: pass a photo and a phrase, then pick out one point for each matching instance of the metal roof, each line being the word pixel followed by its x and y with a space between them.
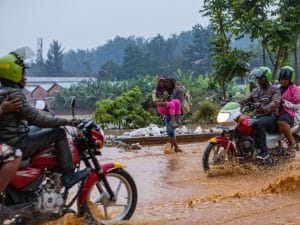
pixel 58 79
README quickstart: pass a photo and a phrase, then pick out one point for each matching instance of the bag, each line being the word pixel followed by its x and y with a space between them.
pixel 187 101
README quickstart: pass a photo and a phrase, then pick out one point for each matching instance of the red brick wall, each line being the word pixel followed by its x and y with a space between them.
pixel 54 89
pixel 39 92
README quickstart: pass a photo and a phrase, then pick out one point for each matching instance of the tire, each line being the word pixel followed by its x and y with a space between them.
pixel 220 157
pixel 95 213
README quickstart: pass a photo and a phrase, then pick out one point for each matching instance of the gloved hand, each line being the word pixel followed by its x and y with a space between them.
pixel 73 122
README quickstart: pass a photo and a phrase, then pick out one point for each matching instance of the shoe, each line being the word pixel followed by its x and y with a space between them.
pixel 263 155
pixel 281 153
pixel 74 177
pixel 290 152
pixel 5 213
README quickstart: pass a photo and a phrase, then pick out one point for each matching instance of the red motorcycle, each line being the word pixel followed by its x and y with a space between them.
pixel 237 142
pixel 36 194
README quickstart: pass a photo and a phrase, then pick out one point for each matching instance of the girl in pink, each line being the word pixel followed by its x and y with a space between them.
pixel 165 105
pixel 289 109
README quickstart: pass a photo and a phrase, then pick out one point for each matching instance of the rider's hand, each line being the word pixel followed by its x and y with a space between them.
pixel 13 105
pixel 289 105
pixel 73 122
pixel 261 110
pixel 157 103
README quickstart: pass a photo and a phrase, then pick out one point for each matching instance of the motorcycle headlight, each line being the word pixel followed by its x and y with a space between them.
pixel 223 117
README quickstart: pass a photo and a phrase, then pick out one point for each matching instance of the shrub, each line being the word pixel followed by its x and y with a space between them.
pixel 206 113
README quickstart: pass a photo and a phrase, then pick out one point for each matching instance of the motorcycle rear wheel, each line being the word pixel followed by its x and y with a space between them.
pixel 101 209
pixel 216 156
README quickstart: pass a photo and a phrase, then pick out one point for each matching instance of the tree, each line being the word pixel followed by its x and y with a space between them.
pixel 256 18
pixel 289 14
pixel 251 15
pixel 228 63
pixel 54 62
pixel 198 54
pixel 133 62
pixel 109 70
pixel 38 67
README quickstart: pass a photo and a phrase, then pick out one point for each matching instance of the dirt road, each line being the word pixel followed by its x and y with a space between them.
pixel 174 190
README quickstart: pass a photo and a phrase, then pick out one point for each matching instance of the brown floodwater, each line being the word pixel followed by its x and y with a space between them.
pixel 173 189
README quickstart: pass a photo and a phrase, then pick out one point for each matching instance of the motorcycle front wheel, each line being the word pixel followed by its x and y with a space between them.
pixel 216 156
pixel 101 209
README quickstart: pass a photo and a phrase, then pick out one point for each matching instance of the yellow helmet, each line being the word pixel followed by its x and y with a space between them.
pixel 12 65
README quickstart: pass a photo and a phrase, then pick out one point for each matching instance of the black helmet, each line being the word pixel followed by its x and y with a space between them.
pixel 286 73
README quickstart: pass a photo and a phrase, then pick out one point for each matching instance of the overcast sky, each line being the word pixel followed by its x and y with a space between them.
pixel 86 24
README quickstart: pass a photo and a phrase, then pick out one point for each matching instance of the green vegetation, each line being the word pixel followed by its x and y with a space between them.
pixel 205 60
pixel 125 111
pixel 206 113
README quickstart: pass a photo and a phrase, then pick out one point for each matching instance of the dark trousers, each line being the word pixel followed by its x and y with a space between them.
pixel 262 125
pixel 170 130
pixel 37 140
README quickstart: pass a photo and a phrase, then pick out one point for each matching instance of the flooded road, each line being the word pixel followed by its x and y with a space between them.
pixel 173 189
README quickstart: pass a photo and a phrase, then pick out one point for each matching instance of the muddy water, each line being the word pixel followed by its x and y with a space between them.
pixel 173 189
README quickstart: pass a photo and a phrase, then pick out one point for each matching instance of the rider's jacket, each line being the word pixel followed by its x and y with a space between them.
pixel 269 98
pixel 14 125
pixel 292 95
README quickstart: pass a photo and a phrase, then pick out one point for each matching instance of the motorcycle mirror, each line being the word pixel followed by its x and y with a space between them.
pixel 73 102
pixel 40 105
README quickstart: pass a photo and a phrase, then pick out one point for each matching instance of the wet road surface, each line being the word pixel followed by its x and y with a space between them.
pixel 173 189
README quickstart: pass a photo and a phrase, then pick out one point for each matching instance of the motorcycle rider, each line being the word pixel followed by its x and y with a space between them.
pixel 14 129
pixel 290 95
pixel 267 97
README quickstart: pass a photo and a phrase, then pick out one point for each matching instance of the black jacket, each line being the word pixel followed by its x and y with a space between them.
pixel 14 126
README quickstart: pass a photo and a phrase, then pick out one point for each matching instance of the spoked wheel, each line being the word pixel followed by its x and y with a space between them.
pixel 101 209
pixel 216 156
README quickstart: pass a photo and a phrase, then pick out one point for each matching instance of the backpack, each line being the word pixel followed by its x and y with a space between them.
pixel 187 101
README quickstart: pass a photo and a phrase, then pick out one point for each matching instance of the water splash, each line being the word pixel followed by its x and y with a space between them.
pixel 284 184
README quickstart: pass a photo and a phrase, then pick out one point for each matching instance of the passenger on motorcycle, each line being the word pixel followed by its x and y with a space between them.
pixel 10 158
pixel 290 104
pixel 14 129
pixel 267 98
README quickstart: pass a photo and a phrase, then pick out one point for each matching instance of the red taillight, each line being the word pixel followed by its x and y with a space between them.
pixel 99 144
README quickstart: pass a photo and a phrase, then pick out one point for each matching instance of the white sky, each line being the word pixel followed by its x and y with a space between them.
pixel 86 24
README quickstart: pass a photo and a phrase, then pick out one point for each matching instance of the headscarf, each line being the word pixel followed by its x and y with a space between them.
pixel 160 90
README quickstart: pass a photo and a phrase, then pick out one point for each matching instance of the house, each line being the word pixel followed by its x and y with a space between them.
pixel 45 88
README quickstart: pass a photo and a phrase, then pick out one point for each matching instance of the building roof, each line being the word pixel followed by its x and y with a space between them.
pixel 58 79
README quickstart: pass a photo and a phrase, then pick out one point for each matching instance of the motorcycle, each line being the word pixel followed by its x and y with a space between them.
pixel 36 194
pixel 237 142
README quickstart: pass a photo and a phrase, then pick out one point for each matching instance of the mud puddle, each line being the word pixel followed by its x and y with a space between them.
pixel 173 189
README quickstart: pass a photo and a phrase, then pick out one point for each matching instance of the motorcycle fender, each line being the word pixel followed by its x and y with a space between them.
pixel 222 141
pixel 213 140
pixel 93 178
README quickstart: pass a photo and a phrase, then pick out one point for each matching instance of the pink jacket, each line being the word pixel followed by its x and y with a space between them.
pixel 291 94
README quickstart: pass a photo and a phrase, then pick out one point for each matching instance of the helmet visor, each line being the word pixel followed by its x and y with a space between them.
pixel 23 56
pixel 23 53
